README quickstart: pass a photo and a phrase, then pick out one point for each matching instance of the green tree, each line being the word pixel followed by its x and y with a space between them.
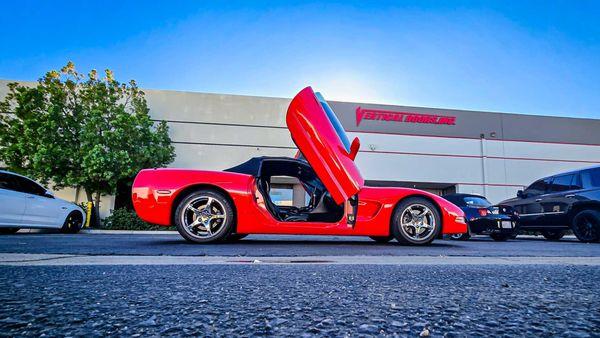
pixel 72 130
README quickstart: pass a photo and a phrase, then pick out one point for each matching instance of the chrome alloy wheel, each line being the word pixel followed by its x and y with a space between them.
pixel 204 217
pixel 417 221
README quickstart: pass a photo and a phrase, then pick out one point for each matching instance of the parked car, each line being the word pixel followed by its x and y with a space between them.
pixel 555 204
pixel 500 222
pixel 210 206
pixel 26 204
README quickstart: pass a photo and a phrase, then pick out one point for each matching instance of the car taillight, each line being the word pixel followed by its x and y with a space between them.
pixel 484 212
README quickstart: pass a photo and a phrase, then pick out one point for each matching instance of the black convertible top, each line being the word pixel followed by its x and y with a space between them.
pixel 252 166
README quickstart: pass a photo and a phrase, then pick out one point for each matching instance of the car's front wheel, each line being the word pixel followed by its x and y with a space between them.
pixel 553 235
pixel 8 230
pixel 204 216
pixel 586 226
pixel 73 223
pixel 416 221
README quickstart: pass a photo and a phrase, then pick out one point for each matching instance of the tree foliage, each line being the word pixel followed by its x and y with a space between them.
pixel 73 130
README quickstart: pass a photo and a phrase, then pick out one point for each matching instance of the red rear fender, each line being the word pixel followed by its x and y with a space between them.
pixel 156 191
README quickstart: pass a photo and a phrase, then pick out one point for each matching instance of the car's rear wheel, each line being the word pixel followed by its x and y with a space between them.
pixel 205 216
pixel 73 223
pixel 586 226
pixel 7 231
pixel 500 237
pixel 381 239
pixel 416 221
pixel 553 235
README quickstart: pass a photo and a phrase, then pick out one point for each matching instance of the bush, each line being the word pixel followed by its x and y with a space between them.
pixel 123 219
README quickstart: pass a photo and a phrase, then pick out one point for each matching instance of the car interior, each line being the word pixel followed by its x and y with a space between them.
pixel 320 206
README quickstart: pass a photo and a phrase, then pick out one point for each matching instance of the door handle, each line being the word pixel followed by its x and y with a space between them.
pixel 538 200
pixel 570 196
pixel 31 197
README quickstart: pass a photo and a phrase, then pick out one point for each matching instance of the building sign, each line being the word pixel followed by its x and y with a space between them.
pixel 402 117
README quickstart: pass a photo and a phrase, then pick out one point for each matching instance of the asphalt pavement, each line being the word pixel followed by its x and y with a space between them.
pixel 262 245
pixel 159 285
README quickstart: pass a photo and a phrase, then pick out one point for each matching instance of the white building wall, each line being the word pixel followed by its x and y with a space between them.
pixel 214 132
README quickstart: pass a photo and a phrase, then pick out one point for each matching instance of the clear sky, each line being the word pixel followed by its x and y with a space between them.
pixel 533 57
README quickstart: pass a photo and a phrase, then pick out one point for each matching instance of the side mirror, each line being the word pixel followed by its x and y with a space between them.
pixel 354 147
pixel 48 194
pixel 520 194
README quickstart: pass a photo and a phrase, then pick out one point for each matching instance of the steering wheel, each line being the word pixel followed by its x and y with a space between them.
pixel 293 210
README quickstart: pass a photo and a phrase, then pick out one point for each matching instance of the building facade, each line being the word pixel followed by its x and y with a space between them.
pixel 440 150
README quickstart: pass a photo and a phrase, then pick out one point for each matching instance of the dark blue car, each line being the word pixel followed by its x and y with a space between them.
pixel 500 222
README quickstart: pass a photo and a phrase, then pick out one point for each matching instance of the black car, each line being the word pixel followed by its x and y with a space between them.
pixel 555 204
pixel 500 222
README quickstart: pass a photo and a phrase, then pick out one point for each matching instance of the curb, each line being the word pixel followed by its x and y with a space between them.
pixel 128 232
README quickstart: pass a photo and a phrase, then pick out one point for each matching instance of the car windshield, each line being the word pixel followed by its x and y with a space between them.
pixel 472 201
pixel 334 122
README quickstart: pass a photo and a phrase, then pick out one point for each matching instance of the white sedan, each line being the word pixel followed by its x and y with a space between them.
pixel 26 204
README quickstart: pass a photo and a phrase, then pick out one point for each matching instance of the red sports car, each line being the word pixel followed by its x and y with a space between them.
pixel 208 206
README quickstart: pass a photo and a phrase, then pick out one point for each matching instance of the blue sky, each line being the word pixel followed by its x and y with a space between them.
pixel 533 57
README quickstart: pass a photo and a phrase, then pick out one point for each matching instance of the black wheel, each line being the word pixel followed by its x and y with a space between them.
pixel 500 237
pixel 553 235
pixel 586 226
pixel 416 221
pixel 234 237
pixel 8 231
pixel 73 223
pixel 461 237
pixel 205 216
pixel 381 239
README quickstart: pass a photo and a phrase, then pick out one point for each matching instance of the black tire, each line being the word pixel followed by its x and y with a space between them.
pixel 73 223
pixel 553 235
pixel 403 235
pixel 586 226
pixel 381 239
pixel 235 237
pixel 500 237
pixel 461 237
pixel 8 231
pixel 225 228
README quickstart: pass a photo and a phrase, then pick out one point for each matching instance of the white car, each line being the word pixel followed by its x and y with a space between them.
pixel 26 204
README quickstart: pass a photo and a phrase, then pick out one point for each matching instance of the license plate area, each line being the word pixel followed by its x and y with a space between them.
pixel 506 224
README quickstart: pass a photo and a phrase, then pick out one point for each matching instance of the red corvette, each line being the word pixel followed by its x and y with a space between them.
pixel 209 206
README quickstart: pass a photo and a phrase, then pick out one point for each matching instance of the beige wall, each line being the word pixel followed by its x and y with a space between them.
pixel 217 131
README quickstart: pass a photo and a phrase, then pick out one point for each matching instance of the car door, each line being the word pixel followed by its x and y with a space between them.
pixel 12 201
pixel 321 139
pixel 560 197
pixel 41 210
pixel 529 206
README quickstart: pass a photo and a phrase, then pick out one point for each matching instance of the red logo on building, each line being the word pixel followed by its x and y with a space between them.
pixel 405 117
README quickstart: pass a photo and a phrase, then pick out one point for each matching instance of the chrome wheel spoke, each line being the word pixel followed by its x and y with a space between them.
pixel 194 210
pixel 208 228
pixel 195 223
pixel 208 205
